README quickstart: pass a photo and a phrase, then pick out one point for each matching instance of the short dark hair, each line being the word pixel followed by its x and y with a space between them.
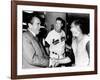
pixel 82 25
pixel 59 18
pixel 31 16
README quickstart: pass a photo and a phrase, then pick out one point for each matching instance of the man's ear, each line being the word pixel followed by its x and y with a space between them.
pixel 62 24
pixel 29 24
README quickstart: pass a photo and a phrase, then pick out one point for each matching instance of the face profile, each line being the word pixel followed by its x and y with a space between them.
pixel 35 25
pixel 75 29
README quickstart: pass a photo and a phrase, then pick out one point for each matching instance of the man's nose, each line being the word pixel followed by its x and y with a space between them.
pixel 71 29
pixel 42 26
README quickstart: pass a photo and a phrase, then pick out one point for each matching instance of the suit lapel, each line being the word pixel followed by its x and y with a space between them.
pixel 36 40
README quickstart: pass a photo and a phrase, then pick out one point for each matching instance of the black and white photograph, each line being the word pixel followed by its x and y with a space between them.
pixel 54 40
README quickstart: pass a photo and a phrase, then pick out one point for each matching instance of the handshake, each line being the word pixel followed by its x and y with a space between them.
pixel 53 62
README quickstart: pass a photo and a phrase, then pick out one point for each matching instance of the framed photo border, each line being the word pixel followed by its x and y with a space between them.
pixel 14 38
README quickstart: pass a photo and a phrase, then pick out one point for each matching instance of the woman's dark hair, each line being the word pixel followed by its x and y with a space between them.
pixel 82 24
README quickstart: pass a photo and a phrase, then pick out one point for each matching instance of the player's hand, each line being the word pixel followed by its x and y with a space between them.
pixel 56 64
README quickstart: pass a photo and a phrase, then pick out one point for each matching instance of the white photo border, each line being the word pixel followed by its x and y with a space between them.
pixel 21 8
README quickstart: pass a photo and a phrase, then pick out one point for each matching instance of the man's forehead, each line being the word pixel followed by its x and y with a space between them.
pixel 58 21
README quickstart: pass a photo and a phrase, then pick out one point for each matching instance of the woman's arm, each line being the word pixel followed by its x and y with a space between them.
pixel 88 48
pixel 62 61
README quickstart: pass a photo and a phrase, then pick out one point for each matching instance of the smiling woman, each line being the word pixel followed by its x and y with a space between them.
pixel 79 43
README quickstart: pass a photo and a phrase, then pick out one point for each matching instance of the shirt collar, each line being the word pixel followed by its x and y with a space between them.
pixel 32 32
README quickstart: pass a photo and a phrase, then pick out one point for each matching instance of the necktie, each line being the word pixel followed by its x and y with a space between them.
pixel 41 47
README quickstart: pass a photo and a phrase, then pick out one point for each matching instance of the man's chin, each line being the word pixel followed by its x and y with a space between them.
pixel 38 33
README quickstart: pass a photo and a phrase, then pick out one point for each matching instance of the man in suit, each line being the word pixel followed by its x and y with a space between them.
pixel 33 54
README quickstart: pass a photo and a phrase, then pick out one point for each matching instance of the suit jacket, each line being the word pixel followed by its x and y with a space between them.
pixel 33 54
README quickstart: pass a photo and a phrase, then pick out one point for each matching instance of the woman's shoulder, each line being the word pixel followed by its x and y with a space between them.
pixel 86 38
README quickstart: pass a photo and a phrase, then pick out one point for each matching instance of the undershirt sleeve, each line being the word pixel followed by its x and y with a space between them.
pixel 48 38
